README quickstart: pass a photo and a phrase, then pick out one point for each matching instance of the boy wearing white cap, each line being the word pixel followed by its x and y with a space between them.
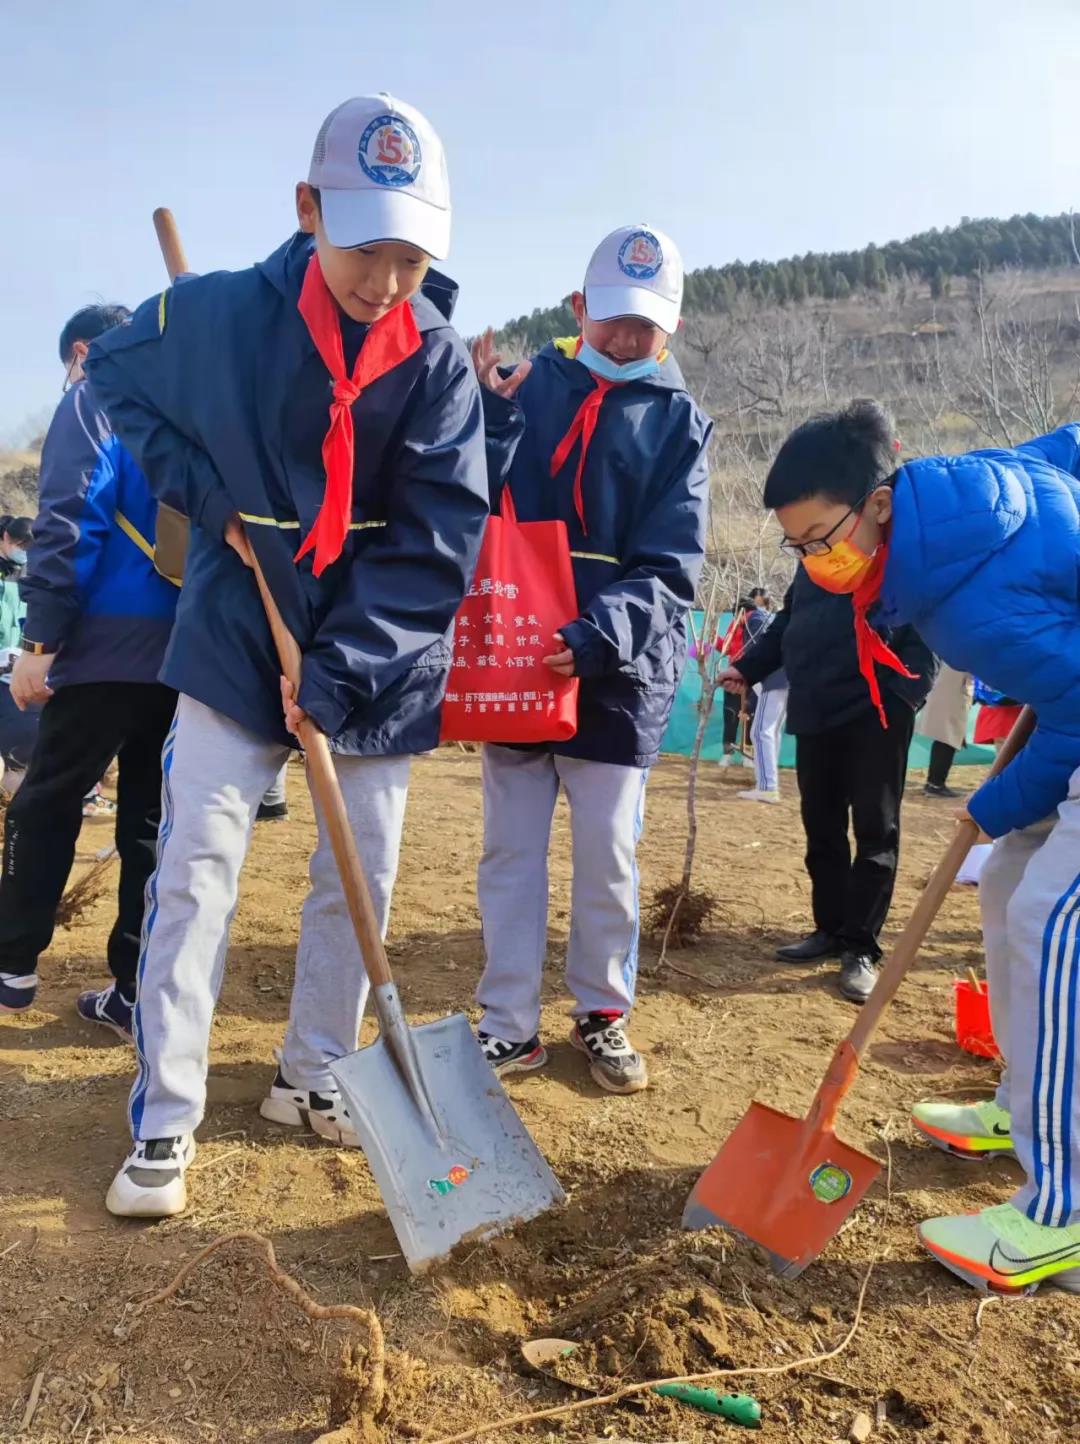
pixel 598 431
pixel 319 411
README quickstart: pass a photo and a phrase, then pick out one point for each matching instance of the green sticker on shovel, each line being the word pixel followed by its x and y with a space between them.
pixel 829 1184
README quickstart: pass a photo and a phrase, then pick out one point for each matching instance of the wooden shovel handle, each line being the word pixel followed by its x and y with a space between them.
pixel 933 895
pixel 169 240
pixel 327 793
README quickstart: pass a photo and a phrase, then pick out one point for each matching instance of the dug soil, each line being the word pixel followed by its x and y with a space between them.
pixel 230 1358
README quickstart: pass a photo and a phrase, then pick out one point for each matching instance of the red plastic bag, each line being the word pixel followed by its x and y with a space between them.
pixel 523 592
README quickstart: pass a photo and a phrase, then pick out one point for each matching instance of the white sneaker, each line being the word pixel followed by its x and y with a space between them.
pixel 151 1182
pixel 755 794
pixel 326 1112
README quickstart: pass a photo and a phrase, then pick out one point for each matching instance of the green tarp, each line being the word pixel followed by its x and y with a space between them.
pixel 682 728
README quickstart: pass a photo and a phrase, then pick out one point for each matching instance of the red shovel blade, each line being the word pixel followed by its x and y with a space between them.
pixel 784 1183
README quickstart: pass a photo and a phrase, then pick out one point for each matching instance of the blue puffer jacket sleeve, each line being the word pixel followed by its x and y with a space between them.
pixel 660 570
pixel 143 387
pixel 401 601
pixel 1033 786
pixel 76 504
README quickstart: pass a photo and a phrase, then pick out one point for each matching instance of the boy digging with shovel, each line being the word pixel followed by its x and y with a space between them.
pixel 981 553
pixel 367 532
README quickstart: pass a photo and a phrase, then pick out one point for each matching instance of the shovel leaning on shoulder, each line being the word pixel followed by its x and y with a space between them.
pixel 452 1159
pixel 787 1183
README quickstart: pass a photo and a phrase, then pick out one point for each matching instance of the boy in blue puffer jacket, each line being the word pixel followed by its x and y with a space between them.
pixel 597 431
pixel 981 553
pixel 367 532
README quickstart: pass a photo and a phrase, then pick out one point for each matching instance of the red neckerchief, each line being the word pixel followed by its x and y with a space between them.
pixel 870 646
pixel 389 341
pixel 583 425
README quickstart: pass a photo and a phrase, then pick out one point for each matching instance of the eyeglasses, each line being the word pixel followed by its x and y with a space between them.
pixel 821 545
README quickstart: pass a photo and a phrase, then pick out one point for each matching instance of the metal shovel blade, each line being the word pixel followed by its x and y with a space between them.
pixel 475 1174
pixel 785 1183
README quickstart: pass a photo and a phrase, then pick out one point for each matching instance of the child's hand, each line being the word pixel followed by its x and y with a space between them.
pixel 963 815
pixel 28 685
pixel 294 714
pixel 236 537
pixel 561 661
pixel 486 360
pixel 732 680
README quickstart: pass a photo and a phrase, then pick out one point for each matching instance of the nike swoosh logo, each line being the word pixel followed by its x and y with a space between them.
pixel 1000 1132
pixel 1027 1263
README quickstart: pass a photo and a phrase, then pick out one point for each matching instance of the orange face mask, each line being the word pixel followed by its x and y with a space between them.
pixel 841 569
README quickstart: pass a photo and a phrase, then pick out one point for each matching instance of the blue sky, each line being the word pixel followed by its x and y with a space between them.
pixel 744 128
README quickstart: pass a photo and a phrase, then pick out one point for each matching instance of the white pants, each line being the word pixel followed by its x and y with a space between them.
pixel 1029 892
pixel 607 806
pixel 765 732
pixel 215 773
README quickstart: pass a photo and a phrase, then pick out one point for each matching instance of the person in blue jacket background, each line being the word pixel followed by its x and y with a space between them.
pixel 224 387
pixel 98 616
pixel 598 431
pixel 981 553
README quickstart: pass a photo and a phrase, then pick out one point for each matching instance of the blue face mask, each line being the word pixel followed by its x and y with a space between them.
pixel 601 365
pixel 18 556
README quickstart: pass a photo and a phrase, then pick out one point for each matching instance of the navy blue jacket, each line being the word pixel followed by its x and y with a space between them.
pixel 813 638
pixel 217 388
pixel 637 562
pixel 984 558
pixel 90 587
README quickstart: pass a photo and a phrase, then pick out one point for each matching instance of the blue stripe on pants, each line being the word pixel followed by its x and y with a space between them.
pixel 1055 1059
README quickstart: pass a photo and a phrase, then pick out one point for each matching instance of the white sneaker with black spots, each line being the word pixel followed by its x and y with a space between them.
pixel 325 1112
pixel 612 1060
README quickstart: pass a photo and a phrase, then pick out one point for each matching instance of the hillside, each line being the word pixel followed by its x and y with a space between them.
pixel 935 257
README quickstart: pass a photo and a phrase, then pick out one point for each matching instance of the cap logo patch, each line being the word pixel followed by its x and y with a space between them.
pixel 390 151
pixel 640 256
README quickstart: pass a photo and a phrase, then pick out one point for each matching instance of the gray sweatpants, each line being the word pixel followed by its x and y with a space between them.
pixel 1029 891
pixel 607 805
pixel 215 773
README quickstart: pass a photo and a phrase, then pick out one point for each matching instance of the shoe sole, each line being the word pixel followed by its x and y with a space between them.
pixel 638 1085
pixel 281 1110
pixel 530 1064
pixel 992 1286
pixel 148 1202
pixel 947 1143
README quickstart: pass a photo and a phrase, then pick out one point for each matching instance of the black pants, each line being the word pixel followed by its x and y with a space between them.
pixel 857 771
pixel 734 705
pixel 82 729
pixel 941 761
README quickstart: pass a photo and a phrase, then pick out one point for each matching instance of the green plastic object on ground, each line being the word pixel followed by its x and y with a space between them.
pixel 739 1408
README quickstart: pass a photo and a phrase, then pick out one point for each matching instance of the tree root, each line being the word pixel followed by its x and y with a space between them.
pixel 358 1392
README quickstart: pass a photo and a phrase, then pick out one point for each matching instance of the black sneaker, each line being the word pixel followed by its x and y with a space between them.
pixel 612 1060
pixel 858 974
pixel 506 1057
pixel 109 1008
pixel 810 950
pixel 939 789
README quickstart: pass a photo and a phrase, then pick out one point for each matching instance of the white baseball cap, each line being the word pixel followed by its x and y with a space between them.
pixel 381 173
pixel 636 271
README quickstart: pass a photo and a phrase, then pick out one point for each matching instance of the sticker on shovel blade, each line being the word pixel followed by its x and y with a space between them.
pixel 454 1179
pixel 829 1183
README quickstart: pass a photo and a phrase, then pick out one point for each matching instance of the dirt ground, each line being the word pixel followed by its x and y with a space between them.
pixel 231 1359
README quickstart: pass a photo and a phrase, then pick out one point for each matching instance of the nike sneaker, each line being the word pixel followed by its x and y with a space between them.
pixel 967 1130
pixel 1001 1251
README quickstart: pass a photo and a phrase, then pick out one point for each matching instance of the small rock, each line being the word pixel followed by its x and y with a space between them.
pixel 862 1426
pixel 820 1314
pixel 176 1393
